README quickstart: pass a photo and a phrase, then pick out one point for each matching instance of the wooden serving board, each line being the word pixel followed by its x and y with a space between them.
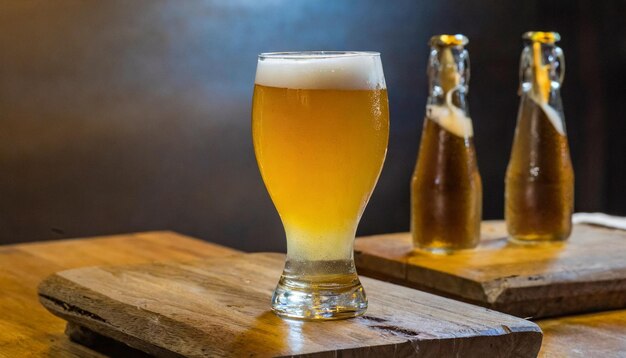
pixel 220 307
pixel 586 273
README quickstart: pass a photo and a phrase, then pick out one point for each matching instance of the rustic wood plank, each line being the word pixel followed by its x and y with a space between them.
pixel 220 306
pixel 587 273
pixel 126 249
pixel 601 334
pixel 26 328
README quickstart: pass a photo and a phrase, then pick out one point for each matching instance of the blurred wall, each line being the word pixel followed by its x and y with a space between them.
pixel 120 116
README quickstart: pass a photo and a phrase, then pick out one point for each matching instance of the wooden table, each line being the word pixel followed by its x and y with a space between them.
pixel 27 329
pixel 585 274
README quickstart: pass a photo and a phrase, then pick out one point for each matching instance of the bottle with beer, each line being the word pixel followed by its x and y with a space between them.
pixel 539 193
pixel 446 189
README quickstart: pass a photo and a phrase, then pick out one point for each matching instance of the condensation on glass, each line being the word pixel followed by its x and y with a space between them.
pixel 539 185
pixel 446 189
pixel 320 124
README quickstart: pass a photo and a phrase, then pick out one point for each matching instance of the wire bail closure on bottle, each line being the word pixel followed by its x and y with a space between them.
pixel 544 37
pixel 448 40
pixel 548 38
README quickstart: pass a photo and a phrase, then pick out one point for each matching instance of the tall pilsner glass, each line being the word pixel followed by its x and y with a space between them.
pixel 320 125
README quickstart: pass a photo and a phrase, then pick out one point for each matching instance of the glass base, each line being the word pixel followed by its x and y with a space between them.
pixel 319 290
pixel 537 239
pixel 441 250
pixel 437 250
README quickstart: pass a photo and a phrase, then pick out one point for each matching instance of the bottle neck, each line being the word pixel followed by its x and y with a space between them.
pixel 542 67
pixel 448 72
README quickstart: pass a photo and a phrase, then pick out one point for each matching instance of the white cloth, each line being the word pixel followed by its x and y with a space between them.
pixel 615 222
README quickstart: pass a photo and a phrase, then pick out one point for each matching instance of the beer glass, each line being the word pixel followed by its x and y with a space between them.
pixel 320 126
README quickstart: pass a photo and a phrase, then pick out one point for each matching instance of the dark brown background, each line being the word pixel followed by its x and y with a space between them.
pixel 120 116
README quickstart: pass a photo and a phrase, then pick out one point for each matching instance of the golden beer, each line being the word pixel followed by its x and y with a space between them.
pixel 539 191
pixel 446 189
pixel 446 192
pixel 320 128
pixel 320 153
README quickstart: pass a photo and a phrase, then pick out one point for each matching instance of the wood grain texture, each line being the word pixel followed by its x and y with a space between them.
pixel 587 273
pixel 26 328
pixel 601 334
pixel 220 307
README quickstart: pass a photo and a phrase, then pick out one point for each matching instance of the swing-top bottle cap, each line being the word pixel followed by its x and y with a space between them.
pixel 543 37
pixel 449 40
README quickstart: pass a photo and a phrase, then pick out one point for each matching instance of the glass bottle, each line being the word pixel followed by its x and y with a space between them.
pixel 539 190
pixel 446 189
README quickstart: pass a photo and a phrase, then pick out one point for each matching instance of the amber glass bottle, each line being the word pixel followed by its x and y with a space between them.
pixel 446 189
pixel 539 190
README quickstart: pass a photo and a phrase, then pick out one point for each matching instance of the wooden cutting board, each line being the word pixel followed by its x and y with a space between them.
pixel 586 273
pixel 220 307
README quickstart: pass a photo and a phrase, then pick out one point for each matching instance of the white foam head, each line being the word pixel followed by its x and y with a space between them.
pixel 321 70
